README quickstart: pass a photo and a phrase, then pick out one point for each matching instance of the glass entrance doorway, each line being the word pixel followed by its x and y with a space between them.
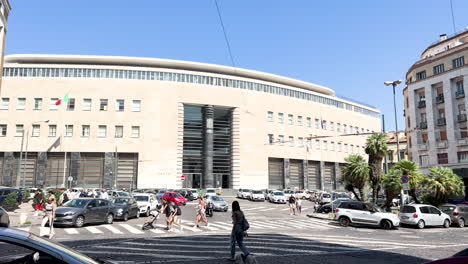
pixel 192 180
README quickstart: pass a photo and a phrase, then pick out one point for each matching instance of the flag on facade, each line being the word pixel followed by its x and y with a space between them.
pixel 56 144
pixel 65 99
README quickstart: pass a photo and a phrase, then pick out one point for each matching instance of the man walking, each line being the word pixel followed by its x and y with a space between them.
pixel 104 194
pixel 292 205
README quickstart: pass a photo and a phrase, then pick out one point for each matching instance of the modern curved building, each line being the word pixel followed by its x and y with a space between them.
pixel 122 122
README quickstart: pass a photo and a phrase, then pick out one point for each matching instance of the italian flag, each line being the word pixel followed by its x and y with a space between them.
pixel 65 100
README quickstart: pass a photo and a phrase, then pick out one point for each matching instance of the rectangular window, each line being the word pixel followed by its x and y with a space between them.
pixel 338 127
pixel 118 131
pixel 422 95
pixel 53 105
pixel 71 104
pixel 87 104
pixel 136 105
pixel 461 109
pixel 270 116
pixel 300 141
pixel 442 158
pixel 5 103
pixel 37 103
pixel 119 105
pixel 424 137
pixel 438 69
pixel 85 129
pixel 458 62
pixel 36 130
pixel 421 75
pixel 462 156
pixel 3 130
pixel 19 130
pixel 390 155
pixel 325 145
pixel 135 131
pixel 345 130
pixel 309 122
pixel 21 104
pixel 309 144
pixel 442 135
pixel 423 160
pixel 332 126
pixel 280 118
pixel 281 139
pixel 324 125
pixel 459 86
pixel 332 146
pixel 270 139
pixel 339 146
pixel 351 129
pixel 291 141
pixel 69 130
pixel 346 148
pixel 102 131
pixel 299 120
pixel 103 105
pixel 290 120
pixel 317 123
pixel 52 130
pixel 317 144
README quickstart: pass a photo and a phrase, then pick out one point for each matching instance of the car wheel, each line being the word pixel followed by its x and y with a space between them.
pixel 147 212
pixel 109 219
pixel 344 221
pixel 461 222
pixel 421 224
pixel 138 214
pixel 386 224
pixel 79 221
pixel 446 223
pixel 125 217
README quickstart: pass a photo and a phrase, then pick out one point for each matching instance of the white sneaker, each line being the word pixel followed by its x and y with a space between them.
pixel 207 225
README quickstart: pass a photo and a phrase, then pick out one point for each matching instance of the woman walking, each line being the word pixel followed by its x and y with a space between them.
pixel 298 205
pixel 175 216
pixel 201 212
pixel 49 216
pixel 167 210
pixel 238 233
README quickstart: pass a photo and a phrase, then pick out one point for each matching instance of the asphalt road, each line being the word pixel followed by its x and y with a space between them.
pixel 275 237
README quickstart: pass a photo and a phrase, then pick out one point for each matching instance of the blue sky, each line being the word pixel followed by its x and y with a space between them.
pixel 349 46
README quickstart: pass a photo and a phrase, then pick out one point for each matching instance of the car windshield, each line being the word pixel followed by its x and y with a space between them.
pixel 408 209
pixel 77 203
pixel 257 192
pixel 177 195
pixel 120 201
pixel 342 195
pixel 141 198
pixel 278 193
pixel 288 191
pixel 123 193
pixel 448 209
pixel 326 195
pixel 216 198
pixel 246 190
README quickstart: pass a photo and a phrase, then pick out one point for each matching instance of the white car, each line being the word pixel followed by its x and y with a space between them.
pixel 243 193
pixel 210 192
pixel 325 198
pixel 422 215
pixel 277 197
pixel 288 193
pixel 147 202
pixel 302 194
pixel 349 212
pixel 194 193
pixel 257 195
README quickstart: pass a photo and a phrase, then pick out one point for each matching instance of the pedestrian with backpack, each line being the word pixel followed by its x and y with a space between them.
pixel 239 230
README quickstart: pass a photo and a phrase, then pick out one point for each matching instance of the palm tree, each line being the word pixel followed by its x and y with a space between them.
pixel 443 184
pixel 391 183
pixel 355 175
pixel 411 169
pixel 376 148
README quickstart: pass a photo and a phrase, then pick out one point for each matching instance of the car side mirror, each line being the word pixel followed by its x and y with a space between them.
pixel 440 213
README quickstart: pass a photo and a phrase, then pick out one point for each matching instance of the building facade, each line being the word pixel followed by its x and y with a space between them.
pixel 137 122
pixel 393 155
pixel 435 106
pixel 5 9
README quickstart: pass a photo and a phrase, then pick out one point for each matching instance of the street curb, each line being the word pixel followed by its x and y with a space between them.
pixel 322 218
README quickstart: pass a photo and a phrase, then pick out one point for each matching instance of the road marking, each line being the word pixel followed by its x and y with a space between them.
pixel 407 236
pixel 273 223
pixel 298 224
pixel 225 224
pixel 124 252
pixel 221 226
pixel 284 209
pixel 268 209
pixel 263 225
pixel 254 208
pixel 24 228
pixel 93 230
pixel 71 231
pixel 112 229
pixel 131 229
pixel 155 230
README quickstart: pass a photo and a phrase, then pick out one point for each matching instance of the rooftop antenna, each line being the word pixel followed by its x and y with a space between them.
pixel 453 17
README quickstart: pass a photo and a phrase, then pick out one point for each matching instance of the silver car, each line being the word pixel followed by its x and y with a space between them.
pixel 29 248
pixel 218 203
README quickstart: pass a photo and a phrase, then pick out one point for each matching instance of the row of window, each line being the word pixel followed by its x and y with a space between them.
pixel 318 124
pixel 180 77
pixel 318 144
pixel 68 132
pixel 442 158
pixel 456 63
pixel 86 105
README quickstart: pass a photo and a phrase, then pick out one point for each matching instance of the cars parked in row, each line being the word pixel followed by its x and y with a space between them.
pixel 355 212
pixel 244 193
pixel 146 202
pixel 79 212
pixel 458 213
pixel 176 197
pixel 256 195
pixel 422 215
pixel 125 208
pixel 277 197
pixel 210 192
pixel 288 193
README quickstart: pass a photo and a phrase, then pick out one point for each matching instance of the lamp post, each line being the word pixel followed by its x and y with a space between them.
pixel 394 84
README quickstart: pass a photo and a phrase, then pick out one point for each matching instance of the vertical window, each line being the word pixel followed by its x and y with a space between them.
pixel 338 127
pixel 290 120
pixel 462 156
pixel 281 139
pixel 421 75
pixel 21 104
pixel 332 146
pixel 458 62
pixel 103 105
pixel 461 109
pixel 52 130
pixel 118 131
pixel 345 130
pixel 442 158
pixel 442 135
pixel 136 105
pixel 423 160
pixel 19 130
pixel 325 145
pixel 5 103
pixel 309 122
pixel 351 129
pixel 299 120
pixel 270 116
pixel 459 86
pixel 300 141
pixel 291 141
pixel 69 130
pixel 309 143
pixel 317 123
pixel 135 131
pixel 346 148
pixel 71 104
pixel 438 69
pixel 53 105
pixel 270 139
pixel 119 105
pixel 102 131
pixel 332 126
pixel 280 118
pixel 37 103
pixel 324 124
pixel 87 104
pixel 85 129
pixel 3 130
pixel 339 146
pixel 36 130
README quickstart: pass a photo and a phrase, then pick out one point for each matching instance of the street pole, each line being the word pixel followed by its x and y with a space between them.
pixel 385 157
pixel 394 84
pixel 64 163
pixel 25 158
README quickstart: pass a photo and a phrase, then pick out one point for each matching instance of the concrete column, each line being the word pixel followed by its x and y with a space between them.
pixel 305 174
pixel 207 177
pixel 109 170
pixel 8 172
pixel 74 171
pixel 338 184
pixel 322 175
pixel 450 105
pixel 286 172
pixel 41 169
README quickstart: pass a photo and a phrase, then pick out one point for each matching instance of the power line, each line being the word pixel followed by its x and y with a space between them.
pixel 225 34
pixel 453 17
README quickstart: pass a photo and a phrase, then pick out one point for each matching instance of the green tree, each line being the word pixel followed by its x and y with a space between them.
pixel 391 183
pixel 11 201
pixel 416 178
pixel 442 184
pixel 355 175
pixel 376 148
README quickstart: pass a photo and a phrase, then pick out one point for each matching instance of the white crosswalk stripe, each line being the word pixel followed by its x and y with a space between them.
pixel 93 230
pixel 24 228
pixel 131 229
pixel 268 209
pixel 253 208
pixel 71 231
pixel 112 229
pixel 221 226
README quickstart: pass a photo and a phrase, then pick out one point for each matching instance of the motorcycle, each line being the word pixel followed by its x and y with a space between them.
pixel 209 210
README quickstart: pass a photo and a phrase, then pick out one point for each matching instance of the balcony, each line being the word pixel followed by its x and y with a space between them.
pixel 463 142
pixel 442 144
pixel 441 121
pixel 461 117
pixel 439 99
pixel 421 104
pixel 460 94
pixel 423 125
pixel 423 146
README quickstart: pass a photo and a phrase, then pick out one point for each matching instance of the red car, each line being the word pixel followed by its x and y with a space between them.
pixel 176 197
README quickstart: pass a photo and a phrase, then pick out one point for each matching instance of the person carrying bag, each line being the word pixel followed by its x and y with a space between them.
pixel 239 230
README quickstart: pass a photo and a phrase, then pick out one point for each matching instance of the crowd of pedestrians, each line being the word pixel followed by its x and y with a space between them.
pixel 295 205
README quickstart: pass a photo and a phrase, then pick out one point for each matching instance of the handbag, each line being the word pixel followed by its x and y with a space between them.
pixel 245 224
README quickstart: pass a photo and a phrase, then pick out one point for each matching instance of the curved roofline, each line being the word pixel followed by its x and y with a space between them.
pixel 164 63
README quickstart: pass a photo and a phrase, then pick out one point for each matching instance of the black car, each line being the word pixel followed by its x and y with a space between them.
pixel 5 191
pixel 78 212
pixel 185 193
pixel 125 208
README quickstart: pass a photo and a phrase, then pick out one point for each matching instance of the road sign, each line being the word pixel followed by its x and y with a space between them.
pixel 404 179
pixel 406 186
pixel 182 178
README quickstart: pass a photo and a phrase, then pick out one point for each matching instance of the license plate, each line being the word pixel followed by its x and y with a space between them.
pixel 405 217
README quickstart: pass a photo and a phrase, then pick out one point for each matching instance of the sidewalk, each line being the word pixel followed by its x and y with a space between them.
pixel 321 216
pixel 26 212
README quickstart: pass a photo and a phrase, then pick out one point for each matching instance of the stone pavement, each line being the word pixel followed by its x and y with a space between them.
pixel 23 214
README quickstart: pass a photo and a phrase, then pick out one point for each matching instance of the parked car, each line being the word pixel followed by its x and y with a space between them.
pixel 176 197
pixel 421 215
pixel 266 193
pixel 78 212
pixel 302 194
pixel 210 192
pixel 277 197
pixel 4 218
pixel 5 191
pixel 160 194
pixel 146 202
pixel 218 203
pixel 194 193
pixel 125 208
pixel 288 193
pixel 329 207
pixel 458 258
pixel 349 212
pixel 186 193
pixel 243 193
pixel 256 195
pixel 114 193
pixel 325 198
pixel 458 213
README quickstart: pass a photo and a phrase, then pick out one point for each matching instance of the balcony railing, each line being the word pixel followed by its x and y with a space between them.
pixel 461 117
pixel 421 104
pixel 459 94
pixel 423 125
pixel 423 146
pixel 442 144
pixel 441 121
pixel 463 142
pixel 439 99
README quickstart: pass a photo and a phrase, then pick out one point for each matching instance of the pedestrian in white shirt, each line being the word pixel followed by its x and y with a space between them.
pixel 104 194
